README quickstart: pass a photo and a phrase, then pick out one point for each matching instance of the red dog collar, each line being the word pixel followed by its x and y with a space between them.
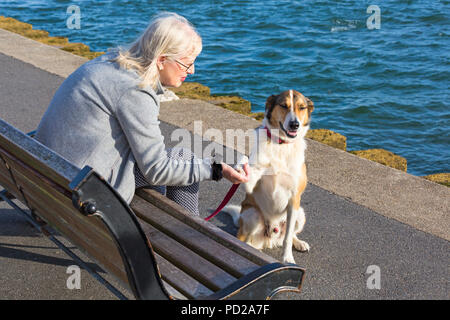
pixel 269 135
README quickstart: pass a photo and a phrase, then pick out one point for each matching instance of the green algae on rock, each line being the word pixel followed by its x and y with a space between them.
pixel 26 30
pixel 80 49
pixel 441 178
pixel 328 137
pixel 194 90
pixel 384 157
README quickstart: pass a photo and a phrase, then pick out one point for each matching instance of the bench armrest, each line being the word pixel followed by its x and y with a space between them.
pixel 114 212
pixel 264 283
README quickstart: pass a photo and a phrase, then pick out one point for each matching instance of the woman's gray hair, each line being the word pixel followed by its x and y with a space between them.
pixel 169 35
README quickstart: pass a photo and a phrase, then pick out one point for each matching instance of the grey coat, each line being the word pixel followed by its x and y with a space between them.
pixel 101 118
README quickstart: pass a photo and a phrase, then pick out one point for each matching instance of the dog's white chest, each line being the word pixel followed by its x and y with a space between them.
pixel 283 161
pixel 278 174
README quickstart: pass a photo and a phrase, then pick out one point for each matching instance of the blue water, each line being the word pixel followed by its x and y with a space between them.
pixel 382 88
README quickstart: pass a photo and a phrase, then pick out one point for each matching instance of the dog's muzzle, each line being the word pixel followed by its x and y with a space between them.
pixel 291 133
pixel 294 125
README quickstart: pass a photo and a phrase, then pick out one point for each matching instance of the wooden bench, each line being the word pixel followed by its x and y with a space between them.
pixel 153 247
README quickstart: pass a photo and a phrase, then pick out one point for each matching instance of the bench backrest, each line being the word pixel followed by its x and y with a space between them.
pixel 83 207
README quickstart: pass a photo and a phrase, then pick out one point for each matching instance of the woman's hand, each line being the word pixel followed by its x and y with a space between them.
pixel 235 176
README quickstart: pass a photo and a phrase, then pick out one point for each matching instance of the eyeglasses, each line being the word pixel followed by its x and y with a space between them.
pixel 185 66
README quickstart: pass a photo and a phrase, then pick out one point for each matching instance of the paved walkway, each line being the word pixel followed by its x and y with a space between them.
pixel 348 227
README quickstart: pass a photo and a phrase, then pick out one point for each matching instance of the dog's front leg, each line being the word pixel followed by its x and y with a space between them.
pixel 291 219
pixel 255 175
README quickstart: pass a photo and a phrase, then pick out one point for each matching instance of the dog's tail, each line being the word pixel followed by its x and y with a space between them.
pixel 234 211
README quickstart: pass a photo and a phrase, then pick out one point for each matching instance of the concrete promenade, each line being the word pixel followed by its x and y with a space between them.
pixel 359 213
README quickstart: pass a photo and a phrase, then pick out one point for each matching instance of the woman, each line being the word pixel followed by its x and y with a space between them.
pixel 105 115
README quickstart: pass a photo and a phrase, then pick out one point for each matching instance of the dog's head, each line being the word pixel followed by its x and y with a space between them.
pixel 289 113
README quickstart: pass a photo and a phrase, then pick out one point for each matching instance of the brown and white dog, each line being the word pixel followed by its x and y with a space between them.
pixel 270 215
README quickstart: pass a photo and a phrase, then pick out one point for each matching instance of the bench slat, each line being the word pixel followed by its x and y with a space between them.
pixel 59 216
pixel 55 167
pixel 56 193
pixel 173 293
pixel 6 182
pixel 226 239
pixel 181 281
pixel 198 242
pixel 183 258
pixel 103 252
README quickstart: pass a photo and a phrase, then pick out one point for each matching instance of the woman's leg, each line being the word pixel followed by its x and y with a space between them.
pixel 186 196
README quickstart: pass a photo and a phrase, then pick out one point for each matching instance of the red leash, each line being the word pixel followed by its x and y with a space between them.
pixel 227 198
pixel 234 187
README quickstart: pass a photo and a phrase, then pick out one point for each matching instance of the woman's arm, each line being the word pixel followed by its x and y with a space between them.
pixel 137 112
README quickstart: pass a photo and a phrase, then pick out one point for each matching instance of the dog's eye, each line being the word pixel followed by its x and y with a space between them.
pixel 303 108
pixel 283 106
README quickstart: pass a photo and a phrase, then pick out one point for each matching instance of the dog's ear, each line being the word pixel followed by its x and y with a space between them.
pixel 310 105
pixel 270 103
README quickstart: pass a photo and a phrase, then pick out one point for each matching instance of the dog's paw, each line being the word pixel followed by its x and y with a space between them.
pixel 288 259
pixel 242 160
pixel 240 164
pixel 301 246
